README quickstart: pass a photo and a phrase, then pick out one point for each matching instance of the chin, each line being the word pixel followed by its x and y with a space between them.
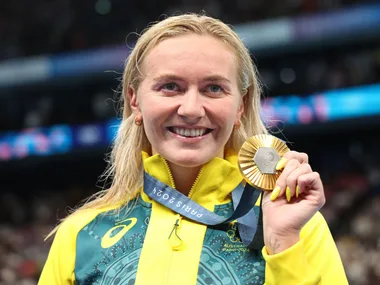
pixel 190 160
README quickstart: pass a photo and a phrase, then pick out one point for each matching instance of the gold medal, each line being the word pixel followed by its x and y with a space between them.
pixel 258 158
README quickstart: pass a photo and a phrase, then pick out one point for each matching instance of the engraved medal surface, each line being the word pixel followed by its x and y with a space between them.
pixel 258 158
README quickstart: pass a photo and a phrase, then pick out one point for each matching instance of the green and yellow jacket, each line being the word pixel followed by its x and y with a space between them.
pixel 143 247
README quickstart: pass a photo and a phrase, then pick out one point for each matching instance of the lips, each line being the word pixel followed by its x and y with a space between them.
pixel 190 132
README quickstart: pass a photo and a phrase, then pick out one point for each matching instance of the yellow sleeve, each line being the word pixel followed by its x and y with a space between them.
pixel 314 260
pixel 59 267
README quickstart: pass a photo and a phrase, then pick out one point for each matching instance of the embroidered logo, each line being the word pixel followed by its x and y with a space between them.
pixel 109 239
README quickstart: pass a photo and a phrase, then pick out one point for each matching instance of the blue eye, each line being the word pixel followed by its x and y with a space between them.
pixel 170 86
pixel 213 88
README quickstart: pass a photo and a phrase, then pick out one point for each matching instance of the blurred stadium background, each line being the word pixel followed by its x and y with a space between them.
pixel 60 61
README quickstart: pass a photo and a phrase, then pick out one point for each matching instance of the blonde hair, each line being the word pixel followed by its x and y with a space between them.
pixel 125 164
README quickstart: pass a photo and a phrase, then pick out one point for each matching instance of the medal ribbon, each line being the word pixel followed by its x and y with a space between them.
pixel 243 198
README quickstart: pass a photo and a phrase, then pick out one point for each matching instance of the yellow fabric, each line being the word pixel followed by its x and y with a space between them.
pixel 165 265
pixel 312 261
pixel 60 265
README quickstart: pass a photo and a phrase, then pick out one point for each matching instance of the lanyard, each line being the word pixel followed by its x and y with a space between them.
pixel 243 198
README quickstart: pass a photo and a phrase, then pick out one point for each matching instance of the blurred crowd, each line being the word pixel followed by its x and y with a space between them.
pixel 30 28
pixel 360 248
pixel 25 221
pixel 35 27
pixel 315 71
pixel 95 99
pixel 352 211
pixel 26 29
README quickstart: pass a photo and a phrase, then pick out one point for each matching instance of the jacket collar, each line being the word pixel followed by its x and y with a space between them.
pixel 215 182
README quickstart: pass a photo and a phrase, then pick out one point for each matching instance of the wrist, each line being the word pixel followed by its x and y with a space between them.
pixel 276 243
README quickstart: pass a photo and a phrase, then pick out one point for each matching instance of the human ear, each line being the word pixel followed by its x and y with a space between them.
pixel 133 102
pixel 241 108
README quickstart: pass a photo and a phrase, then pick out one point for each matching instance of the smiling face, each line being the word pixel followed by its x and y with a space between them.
pixel 189 99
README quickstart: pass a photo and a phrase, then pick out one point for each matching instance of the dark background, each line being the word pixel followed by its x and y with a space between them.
pixel 37 190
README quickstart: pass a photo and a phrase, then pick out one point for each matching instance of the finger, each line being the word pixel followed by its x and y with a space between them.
pixel 292 188
pixel 281 181
pixel 300 156
pixel 311 183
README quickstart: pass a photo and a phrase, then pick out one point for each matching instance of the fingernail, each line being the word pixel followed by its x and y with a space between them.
pixel 297 191
pixel 281 164
pixel 288 194
pixel 275 193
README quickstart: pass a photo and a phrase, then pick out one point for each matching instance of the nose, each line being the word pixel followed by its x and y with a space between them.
pixel 191 106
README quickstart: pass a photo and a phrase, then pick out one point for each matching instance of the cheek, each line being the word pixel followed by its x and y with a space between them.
pixel 150 107
pixel 151 120
pixel 154 117
pixel 227 115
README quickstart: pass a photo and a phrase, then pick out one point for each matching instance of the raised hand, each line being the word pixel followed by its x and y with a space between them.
pixel 298 195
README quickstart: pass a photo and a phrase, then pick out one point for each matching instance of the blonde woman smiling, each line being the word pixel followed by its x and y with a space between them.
pixel 191 98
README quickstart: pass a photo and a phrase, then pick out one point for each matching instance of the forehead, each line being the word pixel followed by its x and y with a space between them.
pixel 192 55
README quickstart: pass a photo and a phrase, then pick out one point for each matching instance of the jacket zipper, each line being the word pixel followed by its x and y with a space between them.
pixel 177 223
pixel 195 183
pixel 172 184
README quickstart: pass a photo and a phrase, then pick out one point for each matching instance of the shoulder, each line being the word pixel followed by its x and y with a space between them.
pixel 75 222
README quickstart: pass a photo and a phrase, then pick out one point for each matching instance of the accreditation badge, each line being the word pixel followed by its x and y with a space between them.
pixel 258 158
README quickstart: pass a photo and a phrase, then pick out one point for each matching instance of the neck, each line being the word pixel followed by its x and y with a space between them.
pixel 184 177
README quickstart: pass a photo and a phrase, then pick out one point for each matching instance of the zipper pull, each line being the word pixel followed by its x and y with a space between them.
pixel 175 241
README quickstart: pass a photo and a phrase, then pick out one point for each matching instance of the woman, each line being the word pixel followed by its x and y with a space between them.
pixel 191 98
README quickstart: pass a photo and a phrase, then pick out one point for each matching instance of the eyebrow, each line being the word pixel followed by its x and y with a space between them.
pixel 167 77
pixel 216 78
pixel 212 78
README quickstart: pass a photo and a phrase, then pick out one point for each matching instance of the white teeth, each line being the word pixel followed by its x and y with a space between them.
pixel 189 132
